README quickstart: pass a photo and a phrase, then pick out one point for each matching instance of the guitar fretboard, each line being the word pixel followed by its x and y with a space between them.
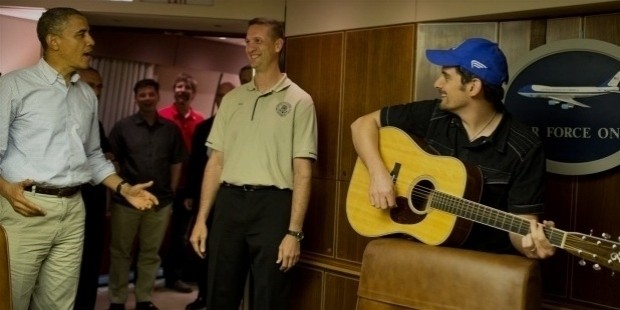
pixel 485 215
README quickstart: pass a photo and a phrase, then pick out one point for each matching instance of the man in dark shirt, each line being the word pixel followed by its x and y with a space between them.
pixel 147 147
pixel 95 203
pixel 469 123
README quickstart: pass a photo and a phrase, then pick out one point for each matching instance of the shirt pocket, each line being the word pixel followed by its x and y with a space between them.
pixel 496 184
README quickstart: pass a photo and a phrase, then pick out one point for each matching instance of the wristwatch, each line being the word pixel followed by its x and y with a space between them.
pixel 299 235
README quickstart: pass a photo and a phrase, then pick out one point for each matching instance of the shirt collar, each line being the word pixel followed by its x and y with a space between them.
pixel 139 120
pixel 190 113
pixel 51 75
pixel 281 85
pixel 500 136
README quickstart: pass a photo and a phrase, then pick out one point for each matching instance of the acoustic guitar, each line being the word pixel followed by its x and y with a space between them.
pixel 436 203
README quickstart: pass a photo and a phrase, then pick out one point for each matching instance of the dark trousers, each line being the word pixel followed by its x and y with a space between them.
pixel 178 244
pixel 95 203
pixel 247 230
pixel 200 264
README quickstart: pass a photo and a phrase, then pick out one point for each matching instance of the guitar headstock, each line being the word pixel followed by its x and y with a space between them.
pixel 600 251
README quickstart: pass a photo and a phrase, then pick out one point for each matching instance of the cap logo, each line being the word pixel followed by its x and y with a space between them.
pixel 477 64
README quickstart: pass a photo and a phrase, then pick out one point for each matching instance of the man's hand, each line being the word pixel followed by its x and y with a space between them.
pixel 535 244
pixel 198 238
pixel 381 192
pixel 288 253
pixel 138 197
pixel 14 193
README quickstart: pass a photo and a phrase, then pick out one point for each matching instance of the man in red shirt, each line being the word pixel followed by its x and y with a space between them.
pixel 181 113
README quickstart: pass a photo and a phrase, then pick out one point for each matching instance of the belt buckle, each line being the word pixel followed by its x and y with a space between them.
pixel 248 188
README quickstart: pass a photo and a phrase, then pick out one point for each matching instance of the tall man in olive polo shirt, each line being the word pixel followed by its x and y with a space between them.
pixel 257 179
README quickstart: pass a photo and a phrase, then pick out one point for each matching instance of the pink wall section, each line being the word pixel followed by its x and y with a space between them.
pixel 19 46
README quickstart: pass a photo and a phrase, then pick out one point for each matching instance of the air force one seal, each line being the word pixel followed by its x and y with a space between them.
pixel 283 108
pixel 568 91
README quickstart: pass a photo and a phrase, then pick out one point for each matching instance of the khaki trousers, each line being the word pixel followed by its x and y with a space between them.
pixel 45 252
pixel 150 228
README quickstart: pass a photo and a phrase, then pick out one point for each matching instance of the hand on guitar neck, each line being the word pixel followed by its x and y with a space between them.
pixel 534 244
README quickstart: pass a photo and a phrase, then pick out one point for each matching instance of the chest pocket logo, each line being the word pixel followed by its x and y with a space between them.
pixel 283 108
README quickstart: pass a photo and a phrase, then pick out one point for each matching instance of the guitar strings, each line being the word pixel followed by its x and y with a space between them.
pixel 484 214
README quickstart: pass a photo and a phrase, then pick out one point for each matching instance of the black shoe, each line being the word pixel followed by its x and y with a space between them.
pixel 117 306
pixel 180 286
pixel 146 305
pixel 198 304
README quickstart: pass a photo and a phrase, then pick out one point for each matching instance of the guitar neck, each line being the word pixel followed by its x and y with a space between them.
pixel 495 218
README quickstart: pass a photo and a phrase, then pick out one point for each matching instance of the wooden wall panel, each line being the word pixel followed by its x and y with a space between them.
pixel 378 68
pixel 563 28
pixel 320 219
pixel 340 292
pixel 315 64
pixel 307 289
pixel 442 36
pixel 514 40
pixel 603 27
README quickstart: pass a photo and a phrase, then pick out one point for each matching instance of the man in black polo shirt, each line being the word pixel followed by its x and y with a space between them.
pixel 469 122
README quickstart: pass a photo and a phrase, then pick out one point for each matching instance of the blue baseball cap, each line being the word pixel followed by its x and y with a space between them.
pixel 477 56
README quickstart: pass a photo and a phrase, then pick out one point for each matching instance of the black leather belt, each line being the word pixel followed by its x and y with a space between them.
pixel 250 188
pixel 59 192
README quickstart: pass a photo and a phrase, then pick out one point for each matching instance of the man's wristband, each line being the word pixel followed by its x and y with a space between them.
pixel 119 186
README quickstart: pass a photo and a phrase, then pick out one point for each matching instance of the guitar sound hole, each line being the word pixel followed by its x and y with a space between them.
pixel 403 213
pixel 419 196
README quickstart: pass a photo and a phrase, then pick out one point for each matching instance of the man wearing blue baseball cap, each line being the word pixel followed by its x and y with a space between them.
pixel 469 122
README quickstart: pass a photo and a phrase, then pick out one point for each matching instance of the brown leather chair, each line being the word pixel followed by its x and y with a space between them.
pixel 401 274
pixel 5 272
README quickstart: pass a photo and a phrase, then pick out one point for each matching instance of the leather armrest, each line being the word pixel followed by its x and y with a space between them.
pixel 410 275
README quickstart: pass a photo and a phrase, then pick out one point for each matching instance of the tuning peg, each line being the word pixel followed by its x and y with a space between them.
pixel 606 236
pixel 613 273
pixel 596 267
pixel 582 262
pixel 591 231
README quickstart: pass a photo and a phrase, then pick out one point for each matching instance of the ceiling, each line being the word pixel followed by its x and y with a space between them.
pixel 223 18
pixel 202 25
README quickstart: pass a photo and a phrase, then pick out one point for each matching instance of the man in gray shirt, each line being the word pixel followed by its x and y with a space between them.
pixel 49 147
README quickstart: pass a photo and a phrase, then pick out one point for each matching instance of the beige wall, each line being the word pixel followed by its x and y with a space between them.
pixel 320 16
